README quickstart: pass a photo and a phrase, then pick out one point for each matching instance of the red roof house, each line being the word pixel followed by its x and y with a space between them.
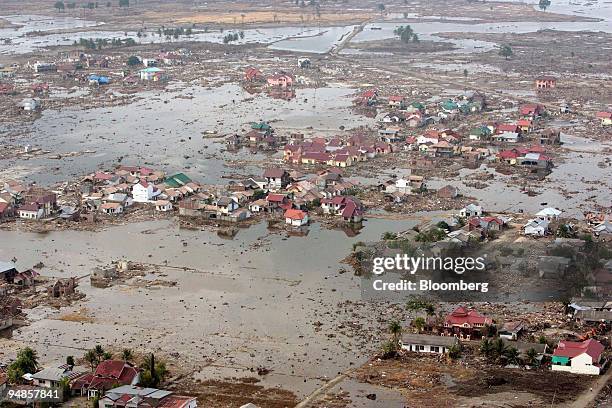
pixel 108 374
pixel 465 323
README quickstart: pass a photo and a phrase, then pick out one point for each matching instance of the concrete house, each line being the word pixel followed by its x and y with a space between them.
pixel 471 210
pixel 52 377
pixel 135 397
pixel 296 218
pixel 578 357
pixel 423 343
pixel 143 192
pixel 276 178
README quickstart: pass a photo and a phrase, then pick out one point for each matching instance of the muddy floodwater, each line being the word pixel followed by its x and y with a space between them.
pixel 224 311
pixel 166 130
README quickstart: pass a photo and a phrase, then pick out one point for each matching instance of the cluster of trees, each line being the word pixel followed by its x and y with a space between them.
pixel 61 6
pixel 26 362
pixel 543 4
pixel 100 43
pixel 174 32
pixel 505 51
pixel 406 34
pixel 96 355
pixel 230 37
pixel 497 351
pixel 432 235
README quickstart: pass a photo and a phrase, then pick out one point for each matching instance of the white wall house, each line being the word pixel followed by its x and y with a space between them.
pixel 423 343
pixel 144 192
pixel 578 357
pixel 471 210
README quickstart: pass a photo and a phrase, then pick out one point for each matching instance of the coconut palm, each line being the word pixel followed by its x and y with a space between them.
pixel 419 323
pixel 512 355
pixel 531 357
pixel 395 328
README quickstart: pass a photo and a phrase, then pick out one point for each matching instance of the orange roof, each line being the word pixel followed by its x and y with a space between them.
pixel 295 214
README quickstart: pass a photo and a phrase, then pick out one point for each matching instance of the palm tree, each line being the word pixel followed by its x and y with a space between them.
pixel 127 355
pixel 430 310
pixel 91 358
pixel 419 323
pixel 486 347
pixel 512 355
pixel 498 349
pixel 395 328
pixel 99 351
pixel 531 357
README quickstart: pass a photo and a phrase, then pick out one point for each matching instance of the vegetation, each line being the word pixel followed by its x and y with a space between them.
pixel 230 37
pixel 406 34
pixel 59 5
pixel 154 372
pixel 433 235
pixel 454 351
pixel 395 328
pixel 133 60
pixel 124 3
pixel 96 355
pixel 543 4
pixel 26 362
pixel 127 355
pixel 419 323
pixel 505 51
pixel 100 43
pixel 388 236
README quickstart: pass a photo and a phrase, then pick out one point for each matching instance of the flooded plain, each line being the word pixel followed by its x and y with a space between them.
pixel 166 130
pixel 224 309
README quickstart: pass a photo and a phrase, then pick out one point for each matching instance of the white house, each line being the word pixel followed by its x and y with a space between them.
pixel 258 205
pixel 471 210
pixel 163 205
pixel 296 218
pixel 111 208
pixel 578 357
pixel 424 343
pixel 402 185
pixel 31 211
pixel 536 227
pixel 548 214
pixel 143 192
pixel 52 377
pixel 226 205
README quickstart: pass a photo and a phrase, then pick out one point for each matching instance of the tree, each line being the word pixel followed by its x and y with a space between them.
pixel 91 358
pixel 465 73
pixel 405 33
pixel 505 51
pixel 70 361
pixel 430 309
pixel 419 324
pixel 395 328
pixel 389 349
pixel 380 7
pixel 498 349
pixel 124 3
pixel 127 355
pixel 154 373
pixel 59 5
pixel 512 355
pixel 415 38
pixel 133 60
pixel 531 357
pixel 388 236
pixel 454 351
pixel 26 362
pixel 486 348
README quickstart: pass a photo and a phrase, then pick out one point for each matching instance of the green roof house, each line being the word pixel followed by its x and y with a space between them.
pixel 177 180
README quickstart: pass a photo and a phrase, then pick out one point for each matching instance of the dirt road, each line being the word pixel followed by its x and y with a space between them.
pixel 586 398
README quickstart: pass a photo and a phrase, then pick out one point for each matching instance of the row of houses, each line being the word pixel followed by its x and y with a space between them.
pixel 113 382
pixel 464 324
